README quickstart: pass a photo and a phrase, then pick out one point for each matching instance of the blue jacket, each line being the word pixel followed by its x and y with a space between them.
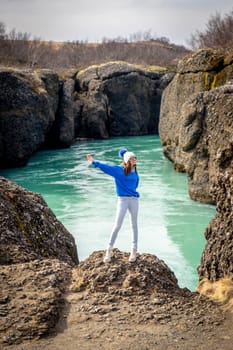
pixel 125 185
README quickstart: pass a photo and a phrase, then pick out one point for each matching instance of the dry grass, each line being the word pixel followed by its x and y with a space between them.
pixel 220 291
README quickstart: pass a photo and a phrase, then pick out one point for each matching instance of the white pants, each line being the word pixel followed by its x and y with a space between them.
pixel 124 203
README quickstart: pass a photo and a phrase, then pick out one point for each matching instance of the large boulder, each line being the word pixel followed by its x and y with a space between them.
pixel 30 230
pixel 37 255
pixel 28 103
pixel 31 299
pixel 119 99
pixel 195 118
pixel 148 275
pixel 206 130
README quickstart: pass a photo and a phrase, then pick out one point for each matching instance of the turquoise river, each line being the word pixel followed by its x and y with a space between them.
pixel 171 225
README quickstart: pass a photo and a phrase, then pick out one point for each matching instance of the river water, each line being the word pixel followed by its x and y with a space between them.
pixel 171 225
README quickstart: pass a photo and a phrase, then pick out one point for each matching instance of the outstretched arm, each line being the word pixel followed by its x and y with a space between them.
pixel 111 170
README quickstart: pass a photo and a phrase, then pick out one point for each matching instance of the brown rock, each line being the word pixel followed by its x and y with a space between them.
pixel 31 298
pixel 40 109
pixel 36 257
pixel 147 275
pixel 196 129
pixel 217 257
pixel 195 119
pixel 119 99
pixel 27 113
pixel 29 229
pixel 139 305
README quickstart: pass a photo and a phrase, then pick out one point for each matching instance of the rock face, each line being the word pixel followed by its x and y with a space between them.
pixel 28 103
pixel 29 229
pixel 196 118
pixel 62 132
pixel 146 276
pixel 37 254
pixel 131 303
pixel 31 299
pixel 119 99
pixel 147 289
pixel 196 129
pixel 39 109
pixel 217 258
pixel 98 297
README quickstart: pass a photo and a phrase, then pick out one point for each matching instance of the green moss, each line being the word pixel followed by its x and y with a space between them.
pixel 221 77
pixel 207 81
pixel 213 84
pixel 210 80
pixel 228 59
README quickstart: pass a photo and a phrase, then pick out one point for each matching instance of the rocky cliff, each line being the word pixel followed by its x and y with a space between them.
pixel 217 258
pixel 29 229
pixel 196 128
pixel 28 103
pixel 37 254
pixel 39 109
pixel 119 99
pixel 196 118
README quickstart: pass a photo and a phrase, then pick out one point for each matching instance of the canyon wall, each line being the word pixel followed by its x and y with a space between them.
pixel 196 118
pixel 41 109
pixel 196 130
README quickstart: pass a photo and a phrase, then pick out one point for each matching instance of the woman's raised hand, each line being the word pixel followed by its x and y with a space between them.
pixel 90 158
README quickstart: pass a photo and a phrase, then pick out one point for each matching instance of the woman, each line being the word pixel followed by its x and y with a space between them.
pixel 126 181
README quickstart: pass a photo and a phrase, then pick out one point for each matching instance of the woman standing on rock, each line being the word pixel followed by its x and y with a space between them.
pixel 126 181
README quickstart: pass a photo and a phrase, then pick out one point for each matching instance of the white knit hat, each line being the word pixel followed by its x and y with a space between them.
pixel 127 155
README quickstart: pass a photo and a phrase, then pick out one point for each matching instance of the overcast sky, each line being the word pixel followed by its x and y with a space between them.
pixel 92 20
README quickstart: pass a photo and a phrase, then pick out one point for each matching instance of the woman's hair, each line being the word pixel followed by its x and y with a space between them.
pixel 127 168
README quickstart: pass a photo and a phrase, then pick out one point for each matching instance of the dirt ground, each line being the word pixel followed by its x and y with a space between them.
pixel 133 311
pixel 123 327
